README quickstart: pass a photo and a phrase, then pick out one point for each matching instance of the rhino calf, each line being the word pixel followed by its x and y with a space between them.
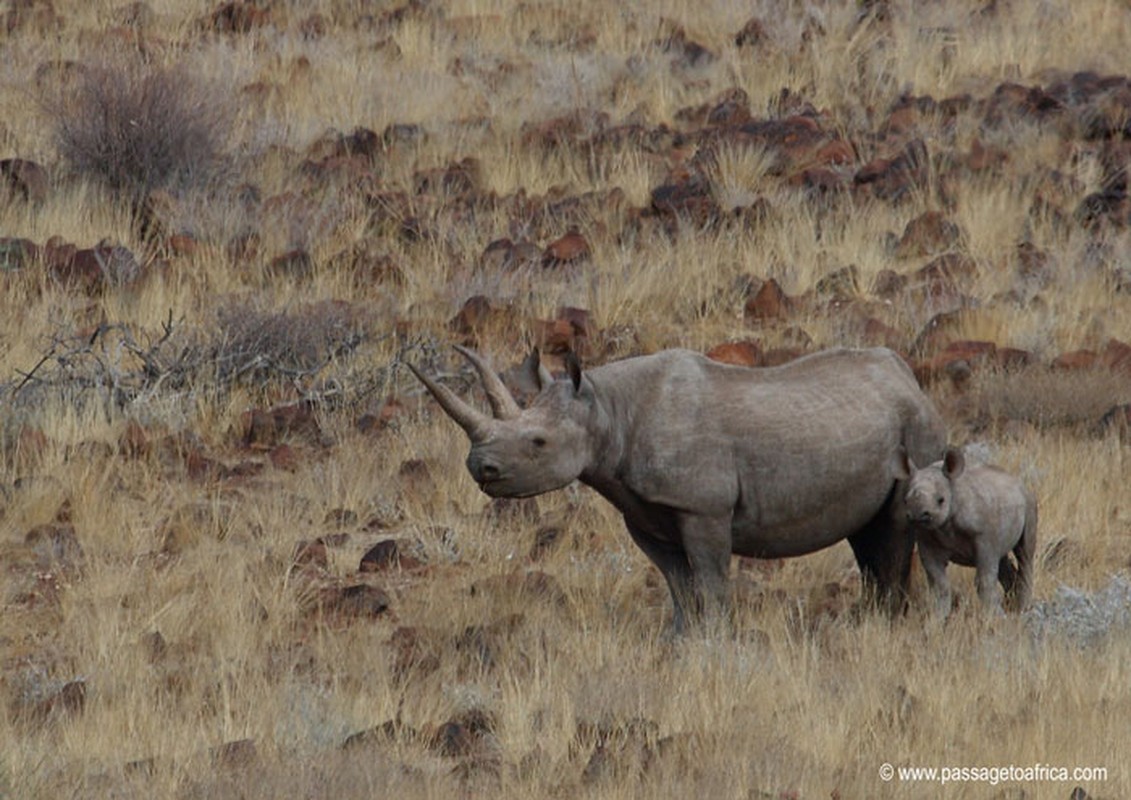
pixel 973 515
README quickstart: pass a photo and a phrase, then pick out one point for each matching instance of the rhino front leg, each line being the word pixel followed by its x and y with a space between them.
pixel 673 565
pixel 708 541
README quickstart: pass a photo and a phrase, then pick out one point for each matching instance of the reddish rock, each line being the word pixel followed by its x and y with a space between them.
pixel 555 336
pixel 390 554
pixel 528 585
pixel 570 249
pixel 235 754
pixel 56 545
pixel 947 271
pixel 579 319
pixel 452 739
pixel 243 247
pixel 1077 360
pixel 751 34
pixel 414 651
pixel 237 17
pixel 747 353
pixel 938 331
pixel 415 477
pixel 982 158
pixel 24 179
pixel 284 457
pixel 477 314
pixel 546 539
pixel 90 270
pixel 956 361
pixel 1013 358
pixel 877 332
pixel 385 417
pixel 69 700
pixel 457 178
pixel 928 234
pixel 311 553
pixel 688 52
pixel 17 254
pixel 182 245
pixel 31 446
pixel 897 177
pixel 888 284
pixel 263 429
pixel 770 303
pixel 1116 356
pixel 356 601
pixel 292 265
pixel 776 356
pixel 689 199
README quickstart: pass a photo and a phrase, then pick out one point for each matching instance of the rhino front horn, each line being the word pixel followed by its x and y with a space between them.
pixel 474 422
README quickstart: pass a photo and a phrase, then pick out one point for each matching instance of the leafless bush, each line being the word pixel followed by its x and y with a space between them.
pixel 136 127
pixel 255 345
pixel 119 365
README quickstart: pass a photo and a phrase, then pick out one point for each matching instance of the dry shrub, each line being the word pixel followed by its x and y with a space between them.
pixel 136 128
pixel 260 346
pixel 1048 398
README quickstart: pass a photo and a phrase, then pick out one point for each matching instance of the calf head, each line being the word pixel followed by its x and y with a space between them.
pixel 930 493
pixel 518 452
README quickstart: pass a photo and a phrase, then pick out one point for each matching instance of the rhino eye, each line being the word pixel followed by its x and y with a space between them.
pixel 538 441
pixel 939 500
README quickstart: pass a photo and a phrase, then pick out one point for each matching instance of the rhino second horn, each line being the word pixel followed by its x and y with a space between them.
pixel 474 422
pixel 502 401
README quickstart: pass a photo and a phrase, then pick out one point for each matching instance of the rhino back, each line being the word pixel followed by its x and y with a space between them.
pixel 799 453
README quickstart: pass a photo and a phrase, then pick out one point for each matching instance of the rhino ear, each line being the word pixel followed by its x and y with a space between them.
pixel 953 463
pixel 545 378
pixel 535 371
pixel 573 369
pixel 904 466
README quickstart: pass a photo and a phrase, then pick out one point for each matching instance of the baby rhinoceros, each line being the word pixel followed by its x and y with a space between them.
pixel 973 515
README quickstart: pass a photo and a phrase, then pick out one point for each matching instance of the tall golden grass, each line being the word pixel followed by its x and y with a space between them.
pixel 189 625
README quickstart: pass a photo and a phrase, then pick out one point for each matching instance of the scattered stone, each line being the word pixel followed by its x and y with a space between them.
pixel 391 554
pixel 1084 617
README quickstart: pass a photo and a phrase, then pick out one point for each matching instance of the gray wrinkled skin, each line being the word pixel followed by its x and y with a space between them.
pixel 706 459
pixel 973 515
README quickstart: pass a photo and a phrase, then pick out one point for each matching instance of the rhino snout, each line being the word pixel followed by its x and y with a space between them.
pixel 481 469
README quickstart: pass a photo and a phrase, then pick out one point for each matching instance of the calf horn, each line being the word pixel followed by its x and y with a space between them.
pixel 474 422
pixel 502 402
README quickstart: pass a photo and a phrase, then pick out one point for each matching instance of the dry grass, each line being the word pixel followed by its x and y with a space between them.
pixel 177 609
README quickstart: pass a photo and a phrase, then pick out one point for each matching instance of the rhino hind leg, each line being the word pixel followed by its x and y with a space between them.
pixel 883 550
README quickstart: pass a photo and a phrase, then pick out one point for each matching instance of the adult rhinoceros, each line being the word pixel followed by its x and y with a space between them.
pixel 706 459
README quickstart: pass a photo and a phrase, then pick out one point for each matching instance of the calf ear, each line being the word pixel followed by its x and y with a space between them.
pixel 953 463
pixel 573 369
pixel 904 466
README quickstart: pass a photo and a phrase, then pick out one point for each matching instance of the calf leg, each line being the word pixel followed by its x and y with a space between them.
pixel 986 579
pixel 934 561
pixel 1007 576
pixel 1025 551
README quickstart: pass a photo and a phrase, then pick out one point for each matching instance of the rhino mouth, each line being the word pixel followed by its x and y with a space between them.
pixel 497 487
